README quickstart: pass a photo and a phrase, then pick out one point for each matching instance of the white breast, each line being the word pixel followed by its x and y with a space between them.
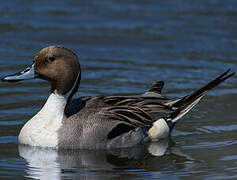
pixel 42 129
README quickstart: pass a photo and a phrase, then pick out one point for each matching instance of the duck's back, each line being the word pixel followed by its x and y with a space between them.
pixel 111 121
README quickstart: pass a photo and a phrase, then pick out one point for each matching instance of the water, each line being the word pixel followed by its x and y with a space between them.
pixel 123 47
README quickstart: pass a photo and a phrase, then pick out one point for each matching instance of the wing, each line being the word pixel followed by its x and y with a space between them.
pixel 135 110
pixel 140 109
pixel 116 115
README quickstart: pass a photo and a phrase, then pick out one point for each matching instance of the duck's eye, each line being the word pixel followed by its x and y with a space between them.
pixel 52 58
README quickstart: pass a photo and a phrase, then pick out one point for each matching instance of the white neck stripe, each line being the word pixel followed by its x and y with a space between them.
pixel 69 93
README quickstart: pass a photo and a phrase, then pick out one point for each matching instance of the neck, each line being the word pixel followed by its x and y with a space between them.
pixel 68 94
pixel 54 105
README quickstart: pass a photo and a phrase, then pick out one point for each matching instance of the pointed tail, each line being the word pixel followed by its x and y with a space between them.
pixel 186 103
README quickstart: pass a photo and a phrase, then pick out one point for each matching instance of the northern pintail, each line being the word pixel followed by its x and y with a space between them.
pixel 99 122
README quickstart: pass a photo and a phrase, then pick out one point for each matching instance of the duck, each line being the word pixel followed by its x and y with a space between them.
pixel 98 122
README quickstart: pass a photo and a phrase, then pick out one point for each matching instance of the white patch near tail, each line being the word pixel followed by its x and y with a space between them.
pixel 187 109
pixel 159 130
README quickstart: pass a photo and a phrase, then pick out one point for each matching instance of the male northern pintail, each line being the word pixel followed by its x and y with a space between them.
pixel 97 122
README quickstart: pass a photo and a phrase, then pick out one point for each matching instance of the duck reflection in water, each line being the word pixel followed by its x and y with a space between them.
pixel 47 163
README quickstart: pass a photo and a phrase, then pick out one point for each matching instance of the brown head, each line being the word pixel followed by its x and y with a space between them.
pixel 58 65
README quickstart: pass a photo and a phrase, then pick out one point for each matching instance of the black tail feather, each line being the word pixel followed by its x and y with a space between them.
pixel 157 87
pixel 186 103
pixel 192 97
